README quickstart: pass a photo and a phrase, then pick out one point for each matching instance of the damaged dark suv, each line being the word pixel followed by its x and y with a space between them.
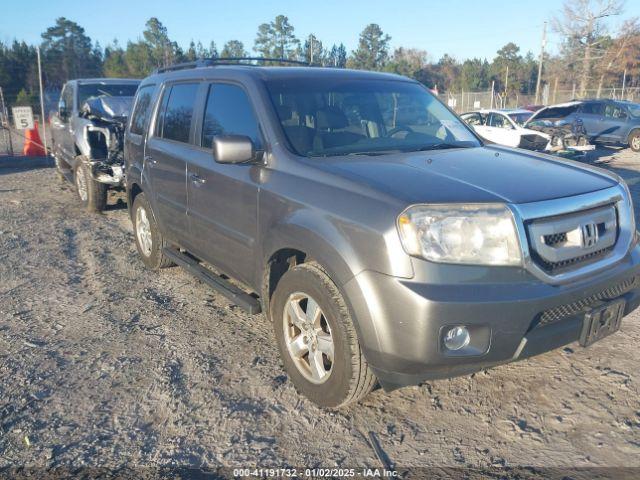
pixel 88 133
pixel 385 242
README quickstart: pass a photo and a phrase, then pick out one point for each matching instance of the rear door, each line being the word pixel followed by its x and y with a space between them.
pixel 166 154
pixel 223 198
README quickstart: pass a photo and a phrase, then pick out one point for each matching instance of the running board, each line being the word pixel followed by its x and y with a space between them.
pixel 219 284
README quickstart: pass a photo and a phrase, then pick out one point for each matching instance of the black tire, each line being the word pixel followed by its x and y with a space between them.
pixel 634 140
pixel 94 194
pixel 154 258
pixel 350 378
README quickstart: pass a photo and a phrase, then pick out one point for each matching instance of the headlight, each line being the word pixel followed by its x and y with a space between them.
pixel 469 234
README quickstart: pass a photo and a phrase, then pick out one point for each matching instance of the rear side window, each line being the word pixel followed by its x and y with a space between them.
pixel 229 112
pixel 177 111
pixel 614 111
pixel 142 109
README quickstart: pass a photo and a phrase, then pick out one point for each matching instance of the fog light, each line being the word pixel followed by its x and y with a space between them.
pixel 457 338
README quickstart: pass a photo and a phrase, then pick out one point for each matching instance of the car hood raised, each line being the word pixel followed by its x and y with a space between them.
pixel 477 175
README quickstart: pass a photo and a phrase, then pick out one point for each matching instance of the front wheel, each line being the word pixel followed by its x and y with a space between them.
pixel 92 194
pixel 317 339
pixel 634 140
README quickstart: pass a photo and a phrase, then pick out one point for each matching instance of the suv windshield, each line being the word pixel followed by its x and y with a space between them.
pixel 88 90
pixel 364 117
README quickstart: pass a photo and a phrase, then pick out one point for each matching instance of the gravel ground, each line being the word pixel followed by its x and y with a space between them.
pixel 103 363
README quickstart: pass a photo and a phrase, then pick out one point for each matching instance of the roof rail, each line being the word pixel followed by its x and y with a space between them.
pixel 212 62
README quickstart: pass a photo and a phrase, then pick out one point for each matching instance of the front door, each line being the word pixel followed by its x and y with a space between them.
pixel 615 121
pixel 61 125
pixel 166 155
pixel 223 198
pixel 500 130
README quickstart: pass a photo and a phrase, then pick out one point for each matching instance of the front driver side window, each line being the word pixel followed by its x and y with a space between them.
pixel 229 112
pixel 499 121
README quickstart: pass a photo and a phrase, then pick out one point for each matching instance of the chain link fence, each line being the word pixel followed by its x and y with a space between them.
pixel 12 140
pixel 466 101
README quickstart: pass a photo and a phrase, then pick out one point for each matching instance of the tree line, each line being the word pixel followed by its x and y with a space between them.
pixel 590 55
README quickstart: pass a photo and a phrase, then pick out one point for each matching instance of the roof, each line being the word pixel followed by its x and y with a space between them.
pixel 506 111
pixel 278 73
pixel 115 81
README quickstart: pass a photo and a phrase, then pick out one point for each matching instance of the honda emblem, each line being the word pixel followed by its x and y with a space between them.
pixel 589 234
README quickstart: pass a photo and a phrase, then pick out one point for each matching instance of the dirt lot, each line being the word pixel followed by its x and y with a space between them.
pixel 103 363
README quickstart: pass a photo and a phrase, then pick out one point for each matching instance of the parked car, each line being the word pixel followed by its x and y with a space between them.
pixel 505 127
pixel 381 237
pixel 88 135
pixel 605 121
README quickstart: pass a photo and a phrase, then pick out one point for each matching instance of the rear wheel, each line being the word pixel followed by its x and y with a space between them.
pixel 149 241
pixel 634 140
pixel 92 194
pixel 317 338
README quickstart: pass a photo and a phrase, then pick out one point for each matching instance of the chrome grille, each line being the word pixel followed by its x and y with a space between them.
pixel 563 242
pixel 564 311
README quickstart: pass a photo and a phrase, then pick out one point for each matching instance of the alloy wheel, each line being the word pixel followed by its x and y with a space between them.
pixel 143 231
pixel 308 337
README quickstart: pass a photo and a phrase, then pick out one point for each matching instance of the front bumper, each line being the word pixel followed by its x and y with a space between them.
pixel 401 322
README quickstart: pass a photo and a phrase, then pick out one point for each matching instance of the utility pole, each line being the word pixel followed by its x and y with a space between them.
pixel 542 45
pixel 44 120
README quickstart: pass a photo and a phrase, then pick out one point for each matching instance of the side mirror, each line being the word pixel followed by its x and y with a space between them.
pixel 63 112
pixel 233 149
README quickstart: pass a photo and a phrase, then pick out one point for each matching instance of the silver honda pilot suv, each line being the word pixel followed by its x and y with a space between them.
pixel 383 239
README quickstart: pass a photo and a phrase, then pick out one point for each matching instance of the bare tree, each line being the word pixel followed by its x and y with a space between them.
pixel 614 56
pixel 582 24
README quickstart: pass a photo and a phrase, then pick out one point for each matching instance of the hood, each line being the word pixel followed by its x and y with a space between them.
pixel 555 112
pixel 475 175
pixel 107 108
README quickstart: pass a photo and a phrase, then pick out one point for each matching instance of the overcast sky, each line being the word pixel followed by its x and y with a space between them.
pixel 463 28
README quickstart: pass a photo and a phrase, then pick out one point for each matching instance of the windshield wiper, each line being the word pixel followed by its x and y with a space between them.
pixel 375 153
pixel 438 146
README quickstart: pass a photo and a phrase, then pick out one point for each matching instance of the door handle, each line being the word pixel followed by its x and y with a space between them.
pixel 150 159
pixel 195 178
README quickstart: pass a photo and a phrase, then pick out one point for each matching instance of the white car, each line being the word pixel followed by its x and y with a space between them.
pixel 504 127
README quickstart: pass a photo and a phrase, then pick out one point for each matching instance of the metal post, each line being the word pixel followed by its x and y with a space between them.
pixel 44 120
pixel 544 41
pixel 493 85
pixel 624 80
pixel 5 116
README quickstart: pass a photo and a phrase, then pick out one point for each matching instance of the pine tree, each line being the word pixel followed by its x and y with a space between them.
pixel 276 40
pixel 68 53
pixel 373 49
pixel 233 49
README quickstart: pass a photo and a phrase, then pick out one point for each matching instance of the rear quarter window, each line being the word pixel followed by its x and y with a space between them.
pixel 142 109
